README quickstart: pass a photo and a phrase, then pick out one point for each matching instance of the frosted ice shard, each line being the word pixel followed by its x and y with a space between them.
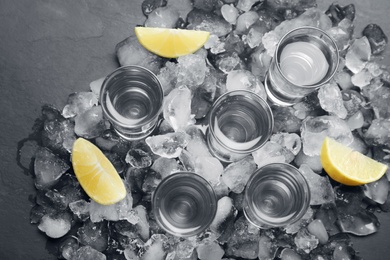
pixel 358 55
pixel 131 52
pixel 305 241
pixel 90 124
pixel 245 80
pixel 237 174
pixel 48 168
pixel 225 216
pixel 177 108
pixel 55 225
pixel 331 100
pixel 244 242
pixel 378 133
pixel 209 168
pixel 168 77
pixel 169 145
pixel 285 120
pixel 78 103
pixel 207 21
pixel 166 166
pixel 271 152
pixel 315 129
pixel 320 188
pixel 94 235
pixel 210 250
pixel 191 70
pixel 154 248
pixel 96 85
pixel 88 253
pixel 290 141
pixel 197 144
pixel 377 191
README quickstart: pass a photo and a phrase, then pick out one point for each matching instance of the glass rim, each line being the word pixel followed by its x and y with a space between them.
pixel 336 50
pixel 245 93
pixel 201 180
pixel 104 88
pixel 298 215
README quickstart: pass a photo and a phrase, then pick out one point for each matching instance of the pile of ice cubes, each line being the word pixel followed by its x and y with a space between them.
pixel 353 109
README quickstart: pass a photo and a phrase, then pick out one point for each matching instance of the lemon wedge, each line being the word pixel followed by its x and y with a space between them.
pixel 96 174
pixel 347 166
pixel 171 43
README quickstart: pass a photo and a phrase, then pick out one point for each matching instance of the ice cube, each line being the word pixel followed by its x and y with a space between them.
pixel 256 33
pixel 185 247
pixel 229 13
pixel 376 37
pixel 358 55
pixel 197 144
pixel 94 235
pixel 313 162
pixel 210 250
pixel 166 166
pixel 237 174
pixel 245 80
pixel 301 223
pixel 139 158
pixel 362 78
pixel 48 168
pixel 244 242
pixel 271 152
pixel 342 34
pixel 245 5
pixel 26 153
pixel 80 209
pixel 58 135
pixel 187 160
pixel 331 100
pixel 260 61
pixel 69 247
pixel 285 120
pixel 245 21
pixel 315 129
pixel 88 253
pixel 291 142
pixel 305 241
pixel 143 226
pixel 378 94
pixel 228 61
pixel 225 216
pixel 78 103
pixel 220 189
pixel 378 133
pixel 328 215
pixel 183 7
pixel 203 97
pixel 343 79
pixel 56 225
pixel 90 124
pixel 377 190
pixel 96 86
pixel 321 190
pixel 154 248
pixel 164 17
pixel 151 181
pixel 209 168
pixel 207 21
pixel 191 70
pixel 177 108
pixel 169 145
pixel 168 77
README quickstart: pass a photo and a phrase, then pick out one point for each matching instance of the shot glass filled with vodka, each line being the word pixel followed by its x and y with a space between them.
pixel 131 98
pixel 240 122
pixel 184 204
pixel 305 58
pixel 276 195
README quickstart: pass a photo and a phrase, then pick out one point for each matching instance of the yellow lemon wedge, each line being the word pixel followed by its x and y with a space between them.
pixel 347 166
pixel 96 174
pixel 171 43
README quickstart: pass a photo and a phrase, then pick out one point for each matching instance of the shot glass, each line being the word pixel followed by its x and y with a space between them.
pixel 131 98
pixel 305 58
pixel 184 204
pixel 276 195
pixel 240 122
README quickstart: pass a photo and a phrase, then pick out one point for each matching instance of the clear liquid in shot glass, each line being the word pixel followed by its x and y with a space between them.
pixel 276 195
pixel 184 204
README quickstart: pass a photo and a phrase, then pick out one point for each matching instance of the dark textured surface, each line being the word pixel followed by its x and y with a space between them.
pixel 51 48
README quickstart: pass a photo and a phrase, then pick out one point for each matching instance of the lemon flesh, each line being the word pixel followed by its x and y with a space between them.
pixel 347 166
pixel 96 174
pixel 171 43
